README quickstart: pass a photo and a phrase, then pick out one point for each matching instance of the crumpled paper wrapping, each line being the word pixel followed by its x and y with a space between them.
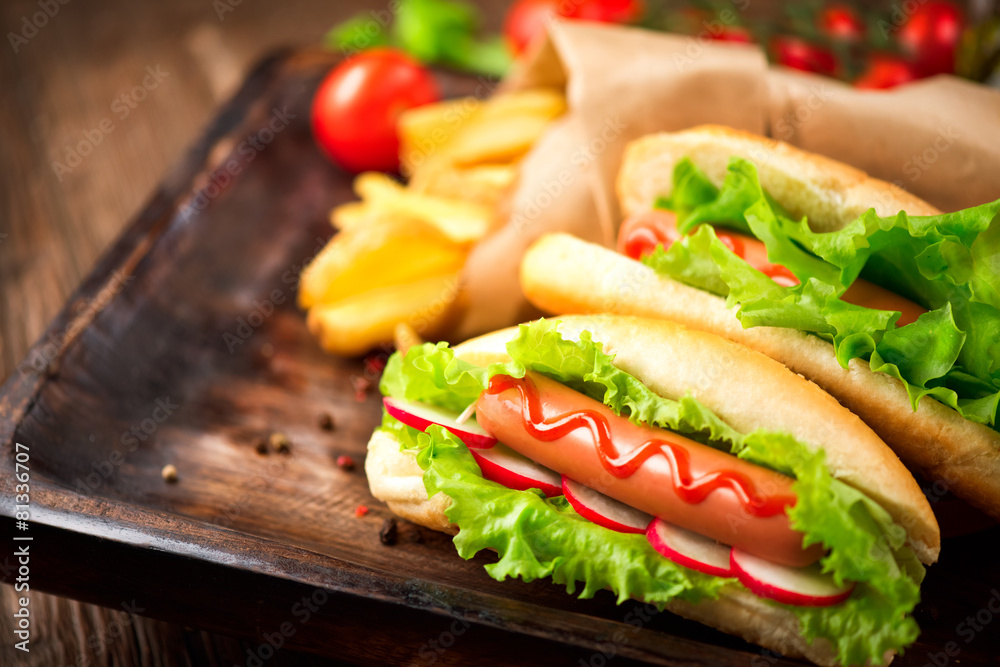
pixel 938 138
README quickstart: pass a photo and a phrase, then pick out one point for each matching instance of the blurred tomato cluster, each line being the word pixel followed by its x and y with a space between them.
pixel 877 45
pixel 871 46
pixel 892 49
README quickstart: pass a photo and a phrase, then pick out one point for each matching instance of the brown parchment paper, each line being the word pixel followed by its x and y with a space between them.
pixel 938 138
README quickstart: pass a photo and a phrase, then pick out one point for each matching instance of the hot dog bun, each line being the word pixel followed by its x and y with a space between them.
pixel 395 478
pixel 830 193
pixel 561 274
pixel 745 388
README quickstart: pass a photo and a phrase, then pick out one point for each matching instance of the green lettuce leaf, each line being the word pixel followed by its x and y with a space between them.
pixel 866 546
pixel 690 262
pixel 537 537
pixel 946 263
pixel 433 374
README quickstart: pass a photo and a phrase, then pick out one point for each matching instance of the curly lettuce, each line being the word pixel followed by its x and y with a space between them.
pixel 946 263
pixel 537 537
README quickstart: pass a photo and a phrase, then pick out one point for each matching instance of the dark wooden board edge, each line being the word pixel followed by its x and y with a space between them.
pixel 424 610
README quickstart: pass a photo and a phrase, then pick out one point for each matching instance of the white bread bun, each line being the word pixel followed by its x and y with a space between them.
pixel 830 193
pixel 673 360
pixel 395 478
pixel 560 275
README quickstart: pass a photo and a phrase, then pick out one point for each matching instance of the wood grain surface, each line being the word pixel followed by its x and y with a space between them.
pixel 58 87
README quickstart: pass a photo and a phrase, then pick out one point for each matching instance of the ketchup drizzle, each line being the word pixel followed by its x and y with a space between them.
pixel 688 489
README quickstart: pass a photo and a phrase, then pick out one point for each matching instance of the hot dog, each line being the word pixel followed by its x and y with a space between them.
pixel 663 466
pixel 889 312
pixel 613 404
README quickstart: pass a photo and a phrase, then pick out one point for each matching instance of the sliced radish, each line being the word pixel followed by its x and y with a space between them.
pixel 602 510
pixel 689 549
pixel 503 465
pixel 803 586
pixel 421 415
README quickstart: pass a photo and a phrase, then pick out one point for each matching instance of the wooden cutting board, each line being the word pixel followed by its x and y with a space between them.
pixel 184 347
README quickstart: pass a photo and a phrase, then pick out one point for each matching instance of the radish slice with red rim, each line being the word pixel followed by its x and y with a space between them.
pixel 603 510
pixel 503 465
pixel 421 415
pixel 802 586
pixel 688 548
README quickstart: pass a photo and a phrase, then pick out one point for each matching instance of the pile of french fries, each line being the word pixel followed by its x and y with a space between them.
pixel 400 249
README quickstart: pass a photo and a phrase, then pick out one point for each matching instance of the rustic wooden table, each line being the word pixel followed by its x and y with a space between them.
pixel 97 104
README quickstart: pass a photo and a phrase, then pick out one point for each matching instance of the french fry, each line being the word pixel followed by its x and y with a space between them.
pixel 506 128
pixel 355 325
pixel 394 250
pixel 392 271
pixel 351 214
pixel 545 102
pixel 484 184
pixel 503 139
pixel 461 221
pixel 373 185
pixel 424 130
pixel 501 132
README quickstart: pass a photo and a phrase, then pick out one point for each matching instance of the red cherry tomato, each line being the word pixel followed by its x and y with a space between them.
pixel 605 11
pixel 356 108
pixel 842 22
pixel 799 54
pixel 885 71
pixel 930 36
pixel 526 19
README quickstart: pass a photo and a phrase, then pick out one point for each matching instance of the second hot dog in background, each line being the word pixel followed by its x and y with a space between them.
pixel 912 356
